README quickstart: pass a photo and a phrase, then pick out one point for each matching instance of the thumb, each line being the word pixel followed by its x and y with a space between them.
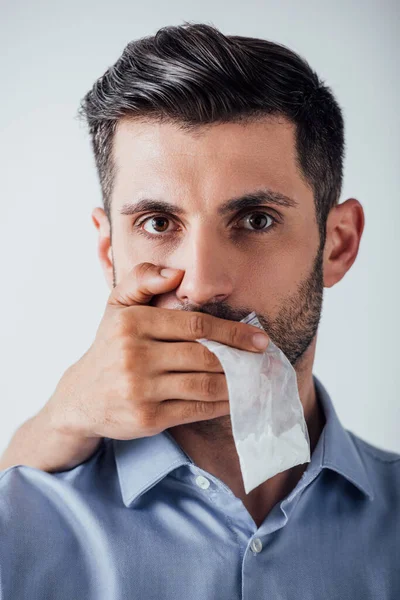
pixel 142 283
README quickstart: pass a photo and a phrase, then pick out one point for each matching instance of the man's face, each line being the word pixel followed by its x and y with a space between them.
pixel 265 258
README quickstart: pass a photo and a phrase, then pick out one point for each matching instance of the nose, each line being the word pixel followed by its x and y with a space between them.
pixel 208 269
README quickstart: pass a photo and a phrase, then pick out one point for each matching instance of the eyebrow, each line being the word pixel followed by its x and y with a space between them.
pixel 248 200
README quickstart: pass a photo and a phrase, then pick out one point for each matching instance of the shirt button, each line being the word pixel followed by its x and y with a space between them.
pixel 256 545
pixel 202 482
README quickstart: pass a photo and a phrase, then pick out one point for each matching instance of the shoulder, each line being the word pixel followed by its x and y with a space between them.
pixel 382 467
pixel 13 479
pixel 375 456
pixel 25 490
pixel 21 482
pixel 48 522
pixel 37 507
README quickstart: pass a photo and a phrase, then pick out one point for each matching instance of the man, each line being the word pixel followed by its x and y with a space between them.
pixel 127 484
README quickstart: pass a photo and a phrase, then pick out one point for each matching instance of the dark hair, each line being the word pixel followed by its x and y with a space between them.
pixel 193 75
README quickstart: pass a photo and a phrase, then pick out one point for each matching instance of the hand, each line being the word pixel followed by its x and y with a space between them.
pixel 144 371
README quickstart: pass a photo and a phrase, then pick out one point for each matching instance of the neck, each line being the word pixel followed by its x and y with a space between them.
pixel 211 446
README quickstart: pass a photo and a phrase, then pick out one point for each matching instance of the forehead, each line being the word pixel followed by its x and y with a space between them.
pixel 214 161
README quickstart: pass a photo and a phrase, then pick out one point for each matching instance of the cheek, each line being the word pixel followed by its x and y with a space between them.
pixel 274 273
pixel 131 250
pixel 268 279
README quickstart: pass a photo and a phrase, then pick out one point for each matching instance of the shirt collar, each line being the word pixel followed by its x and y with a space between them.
pixel 143 462
pixel 336 448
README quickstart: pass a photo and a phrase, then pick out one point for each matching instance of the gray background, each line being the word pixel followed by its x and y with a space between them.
pixel 52 289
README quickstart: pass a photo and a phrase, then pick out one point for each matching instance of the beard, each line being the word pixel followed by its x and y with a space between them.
pixel 292 330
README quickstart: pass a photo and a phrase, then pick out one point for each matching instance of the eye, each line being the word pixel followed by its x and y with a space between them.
pixel 157 221
pixel 259 220
pixel 256 219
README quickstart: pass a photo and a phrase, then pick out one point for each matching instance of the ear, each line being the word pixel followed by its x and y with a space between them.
pixel 344 228
pixel 104 248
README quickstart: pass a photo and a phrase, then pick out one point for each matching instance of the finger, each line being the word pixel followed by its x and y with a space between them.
pixel 174 325
pixel 142 283
pixel 177 412
pixel 184 357
pixel 207 387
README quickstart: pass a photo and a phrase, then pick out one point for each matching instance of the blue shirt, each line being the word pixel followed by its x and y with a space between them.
pixel 139 520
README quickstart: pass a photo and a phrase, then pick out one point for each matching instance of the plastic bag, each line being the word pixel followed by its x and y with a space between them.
pixel 267 416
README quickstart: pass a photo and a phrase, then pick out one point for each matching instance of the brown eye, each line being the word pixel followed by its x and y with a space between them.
pixel 258 222
pixel 159 224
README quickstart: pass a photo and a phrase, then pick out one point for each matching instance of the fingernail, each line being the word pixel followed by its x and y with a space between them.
pixel 260 341
pixel 168 272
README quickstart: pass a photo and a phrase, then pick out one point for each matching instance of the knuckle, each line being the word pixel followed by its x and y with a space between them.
pixel 210 359
pixel 192 409
pixel 234 335
pixel 189 410
pixel 139 355
pixel 208 385
pixel 188 384
pixel 126 353
pixel 125 323
pixel 143 268
pixel 204 408
pixel 135 393
pixel 134 388
pixel 197 326
pixel 132 355
pixel 146 419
